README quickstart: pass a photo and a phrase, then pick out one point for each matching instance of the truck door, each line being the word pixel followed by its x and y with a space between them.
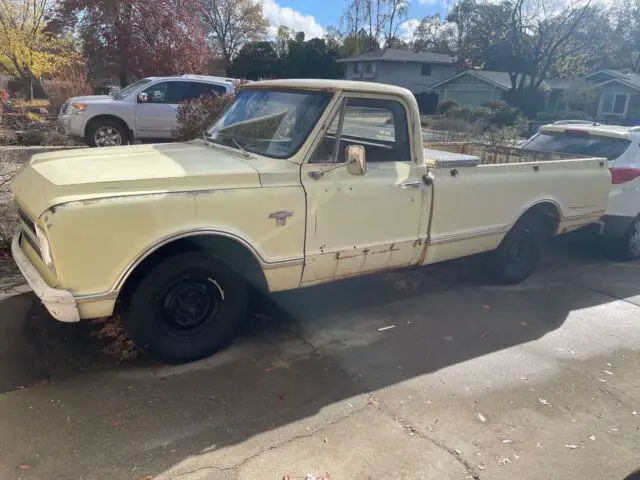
pixel 362 223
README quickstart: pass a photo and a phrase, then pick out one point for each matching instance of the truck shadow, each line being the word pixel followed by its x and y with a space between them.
pixel 299 355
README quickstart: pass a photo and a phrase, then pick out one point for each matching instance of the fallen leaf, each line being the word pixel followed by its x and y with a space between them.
pixel 538 445
pixel 592 437
pixel 544 402
pixel 609 364
pixel 506 441
pixel 503 460
pixel 481 417
pixel 571 447
pixel 326 440
pixel 25 466
pixel 608 372
pixel 517 457
pixel 634 413
pixel 481 467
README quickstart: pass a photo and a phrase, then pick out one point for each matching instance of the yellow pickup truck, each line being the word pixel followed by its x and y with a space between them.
pixel 297 183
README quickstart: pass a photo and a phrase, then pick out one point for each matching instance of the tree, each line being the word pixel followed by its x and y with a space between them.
pixel 233 23
pixel 256 61
pixel 433 35
pixel 398 12
pixel 140 37
pixel 626 34
pixel 27 49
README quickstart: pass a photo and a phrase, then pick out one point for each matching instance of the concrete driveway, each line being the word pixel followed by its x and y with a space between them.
pixel 431 374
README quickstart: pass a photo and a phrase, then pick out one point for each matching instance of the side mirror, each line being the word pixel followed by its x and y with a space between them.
pixel 142 97
pixel 356 160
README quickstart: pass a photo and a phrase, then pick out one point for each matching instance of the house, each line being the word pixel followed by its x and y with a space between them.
pixel 414 71
pixel 617 94
pixel 472 88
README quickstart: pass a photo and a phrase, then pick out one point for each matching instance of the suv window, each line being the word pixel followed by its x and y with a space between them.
pixel 378 125
pixel 168 92
pixel 199 89
pixel 579 142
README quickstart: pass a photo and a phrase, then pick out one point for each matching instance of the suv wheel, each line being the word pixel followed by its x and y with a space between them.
pixel 630 244
pixel 106 133
pixel 186 308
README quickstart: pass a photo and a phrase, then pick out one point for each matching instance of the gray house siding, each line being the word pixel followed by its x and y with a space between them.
pixel 468 91
pixel 403 74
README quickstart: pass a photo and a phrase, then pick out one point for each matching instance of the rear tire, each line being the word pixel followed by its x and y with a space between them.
pixel 519 253
pixel 628 247
pixel 186 308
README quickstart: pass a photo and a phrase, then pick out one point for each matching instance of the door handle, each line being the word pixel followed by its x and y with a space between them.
pixel 412 184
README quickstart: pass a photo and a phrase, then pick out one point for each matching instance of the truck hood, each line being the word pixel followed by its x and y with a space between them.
pixel 84 174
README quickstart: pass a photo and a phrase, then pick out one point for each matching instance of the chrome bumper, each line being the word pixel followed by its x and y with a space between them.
pixel 61 304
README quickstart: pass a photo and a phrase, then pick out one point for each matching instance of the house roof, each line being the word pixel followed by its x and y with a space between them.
pixel 501 80
pixel 631 79
pixel 397 55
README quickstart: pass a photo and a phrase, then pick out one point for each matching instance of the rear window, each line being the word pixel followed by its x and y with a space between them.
pixel 578 143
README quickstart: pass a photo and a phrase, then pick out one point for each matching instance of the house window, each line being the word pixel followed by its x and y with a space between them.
pixel 356 67
pixel 614 103
pixel 563 102
pixel 368 68
pixel 425 70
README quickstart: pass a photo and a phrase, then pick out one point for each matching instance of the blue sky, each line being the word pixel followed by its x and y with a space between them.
pixel 314 16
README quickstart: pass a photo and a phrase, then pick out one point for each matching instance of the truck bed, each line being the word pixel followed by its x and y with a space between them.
pixel 492 155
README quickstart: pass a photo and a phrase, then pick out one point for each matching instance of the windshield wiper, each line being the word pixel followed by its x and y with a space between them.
pixel 245 154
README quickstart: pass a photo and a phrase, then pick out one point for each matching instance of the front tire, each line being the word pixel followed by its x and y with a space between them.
pixel 519 253
pixel 186 308
pixel 106 133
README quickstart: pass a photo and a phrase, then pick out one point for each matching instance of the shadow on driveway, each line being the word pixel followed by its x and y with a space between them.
pixel 137 419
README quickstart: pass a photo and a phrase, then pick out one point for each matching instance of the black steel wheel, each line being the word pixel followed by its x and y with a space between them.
pixel 186 308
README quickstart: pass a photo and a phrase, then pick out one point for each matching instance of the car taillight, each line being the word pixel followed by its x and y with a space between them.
pixel 623 175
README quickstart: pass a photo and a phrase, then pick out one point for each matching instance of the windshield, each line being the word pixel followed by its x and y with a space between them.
pixel 274 123
pixel 130 88
pixel 579 142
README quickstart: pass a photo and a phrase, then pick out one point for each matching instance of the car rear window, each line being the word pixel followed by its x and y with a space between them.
pixel 578 142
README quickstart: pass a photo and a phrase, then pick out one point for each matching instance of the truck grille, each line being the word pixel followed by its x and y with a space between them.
pixel 29 231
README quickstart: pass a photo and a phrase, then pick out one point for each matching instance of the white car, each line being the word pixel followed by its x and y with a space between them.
pixel 145 110
pixel 620 226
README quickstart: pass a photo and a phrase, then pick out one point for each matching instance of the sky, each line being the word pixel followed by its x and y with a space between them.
pixel 314 16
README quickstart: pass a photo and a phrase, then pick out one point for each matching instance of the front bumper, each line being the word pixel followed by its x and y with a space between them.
pixel 61 304
pixel 72 125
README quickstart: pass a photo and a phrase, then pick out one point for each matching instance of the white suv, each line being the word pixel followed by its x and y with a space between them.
pixel 144 110
pixel 620 226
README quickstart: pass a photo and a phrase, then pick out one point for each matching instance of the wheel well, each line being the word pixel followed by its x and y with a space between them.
pixel 113 118
pixel 231 252
pixel 550 215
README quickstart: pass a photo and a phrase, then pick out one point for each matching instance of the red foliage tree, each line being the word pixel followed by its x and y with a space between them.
pixel 142 37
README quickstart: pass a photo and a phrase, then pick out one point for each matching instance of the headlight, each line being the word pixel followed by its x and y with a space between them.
pixel 76 108
pixel 45 248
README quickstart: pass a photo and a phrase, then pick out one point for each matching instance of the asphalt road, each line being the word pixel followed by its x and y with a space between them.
pixel 431 374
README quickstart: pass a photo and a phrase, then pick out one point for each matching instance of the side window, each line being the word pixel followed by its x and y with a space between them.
pixel 157 93
pixel 177 92
pixel 199 89
pixel 380 126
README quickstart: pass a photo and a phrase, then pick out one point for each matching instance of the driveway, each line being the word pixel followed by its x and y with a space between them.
pixel 431 374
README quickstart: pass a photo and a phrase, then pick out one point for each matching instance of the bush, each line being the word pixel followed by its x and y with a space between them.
pixel 195 116
pixel 70 81
pixel 447 105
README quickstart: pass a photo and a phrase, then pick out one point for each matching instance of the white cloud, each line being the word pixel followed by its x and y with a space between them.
pixel 427 2
pixel 407 28
pixel 277 15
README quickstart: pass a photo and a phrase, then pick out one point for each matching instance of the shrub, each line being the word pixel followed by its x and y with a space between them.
pixel 195 116
pixel 444 107
pixel 69 81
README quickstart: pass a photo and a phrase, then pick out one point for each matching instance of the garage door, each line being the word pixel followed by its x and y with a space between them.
pixel 473 98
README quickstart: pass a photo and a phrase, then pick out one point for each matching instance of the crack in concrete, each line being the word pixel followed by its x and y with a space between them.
pixel 471 470
pixel 274 447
